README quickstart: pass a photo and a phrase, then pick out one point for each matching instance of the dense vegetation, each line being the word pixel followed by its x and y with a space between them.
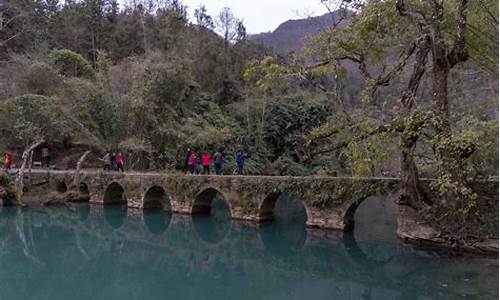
pixel 388 88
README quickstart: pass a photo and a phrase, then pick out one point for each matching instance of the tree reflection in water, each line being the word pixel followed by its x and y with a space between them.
pixel 50 253
pixel 213 228
pixel 157 220
pixel 287 231
pixel 115 214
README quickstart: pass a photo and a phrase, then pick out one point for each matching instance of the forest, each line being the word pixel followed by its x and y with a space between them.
pixel 389 88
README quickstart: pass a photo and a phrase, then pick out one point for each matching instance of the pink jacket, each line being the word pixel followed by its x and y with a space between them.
pixel 192 159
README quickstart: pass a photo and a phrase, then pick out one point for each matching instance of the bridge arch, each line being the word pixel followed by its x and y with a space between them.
pixel 61 186
pixel 288 233
pixel 203 200
pixel 350 208
pixel 156 197
pixel 215 229
pixel 268 204
pixel 114 194
pixel 83 192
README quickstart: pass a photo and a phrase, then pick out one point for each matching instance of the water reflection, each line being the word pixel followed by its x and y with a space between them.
pixel 213 228
pixel 50 253
pixel 115 215
pixel 83 210
pixel 157 221
pixel 288 226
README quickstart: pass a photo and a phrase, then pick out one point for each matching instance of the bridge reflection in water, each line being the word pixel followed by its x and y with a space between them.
pixel 88 252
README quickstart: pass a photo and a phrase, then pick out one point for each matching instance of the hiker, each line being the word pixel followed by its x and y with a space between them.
pixel 119 162
pixel 186 162
pixel 113 162
pixel 240 161
pixel 107 161
pixel 206 160
pixel 7 161
pixel 192 162
pixel 219 162
pixel 45 157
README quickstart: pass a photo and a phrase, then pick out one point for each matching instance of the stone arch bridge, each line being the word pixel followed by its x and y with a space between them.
pixel 330 202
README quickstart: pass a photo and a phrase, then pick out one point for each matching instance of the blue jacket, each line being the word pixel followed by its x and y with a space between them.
pixel 240 158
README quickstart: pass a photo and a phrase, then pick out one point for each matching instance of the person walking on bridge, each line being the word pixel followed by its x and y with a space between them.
pixel 219 162
pixel 119 162
pixel 107 161
pixel 192 162
pixel 240 161
pixel 113 162
pixel 206 161
pixel 186 162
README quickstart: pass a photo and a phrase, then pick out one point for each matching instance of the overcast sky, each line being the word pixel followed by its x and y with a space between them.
pixel 260 15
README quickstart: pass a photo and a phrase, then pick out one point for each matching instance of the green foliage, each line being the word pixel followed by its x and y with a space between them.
pixel 415 125
pixel 472 149
pixel 105 114
pixel 33 117
pixel 266 75
pixel 365 157
pixel 41 79
pixel 5 179
pixel 69 63
pixel 482 34
pixel 287 166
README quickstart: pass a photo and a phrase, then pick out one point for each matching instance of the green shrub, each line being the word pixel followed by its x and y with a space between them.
pixel 71 64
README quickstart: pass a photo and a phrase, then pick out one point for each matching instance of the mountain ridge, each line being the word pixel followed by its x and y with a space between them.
pixel 290 36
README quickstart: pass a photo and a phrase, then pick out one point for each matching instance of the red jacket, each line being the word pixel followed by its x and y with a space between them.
pixel 119 159
pixel 206 159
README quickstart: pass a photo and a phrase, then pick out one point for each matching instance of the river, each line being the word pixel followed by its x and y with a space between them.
pixel 86 252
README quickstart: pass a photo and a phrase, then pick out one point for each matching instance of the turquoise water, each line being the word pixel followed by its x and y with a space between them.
pixel 85 252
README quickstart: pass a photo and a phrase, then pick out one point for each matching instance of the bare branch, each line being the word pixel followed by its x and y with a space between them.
pixel 359 138
pixel 79 165
pixel 459 52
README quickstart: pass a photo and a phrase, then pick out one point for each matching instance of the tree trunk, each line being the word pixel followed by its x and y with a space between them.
pixel 19 184
pixel 440 96
pixel 30 166
pixel 411 190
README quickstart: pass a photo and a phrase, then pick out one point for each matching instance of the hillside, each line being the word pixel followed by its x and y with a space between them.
pixel 291 35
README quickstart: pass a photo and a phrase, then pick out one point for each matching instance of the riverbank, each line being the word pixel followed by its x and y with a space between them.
pixel 420 234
